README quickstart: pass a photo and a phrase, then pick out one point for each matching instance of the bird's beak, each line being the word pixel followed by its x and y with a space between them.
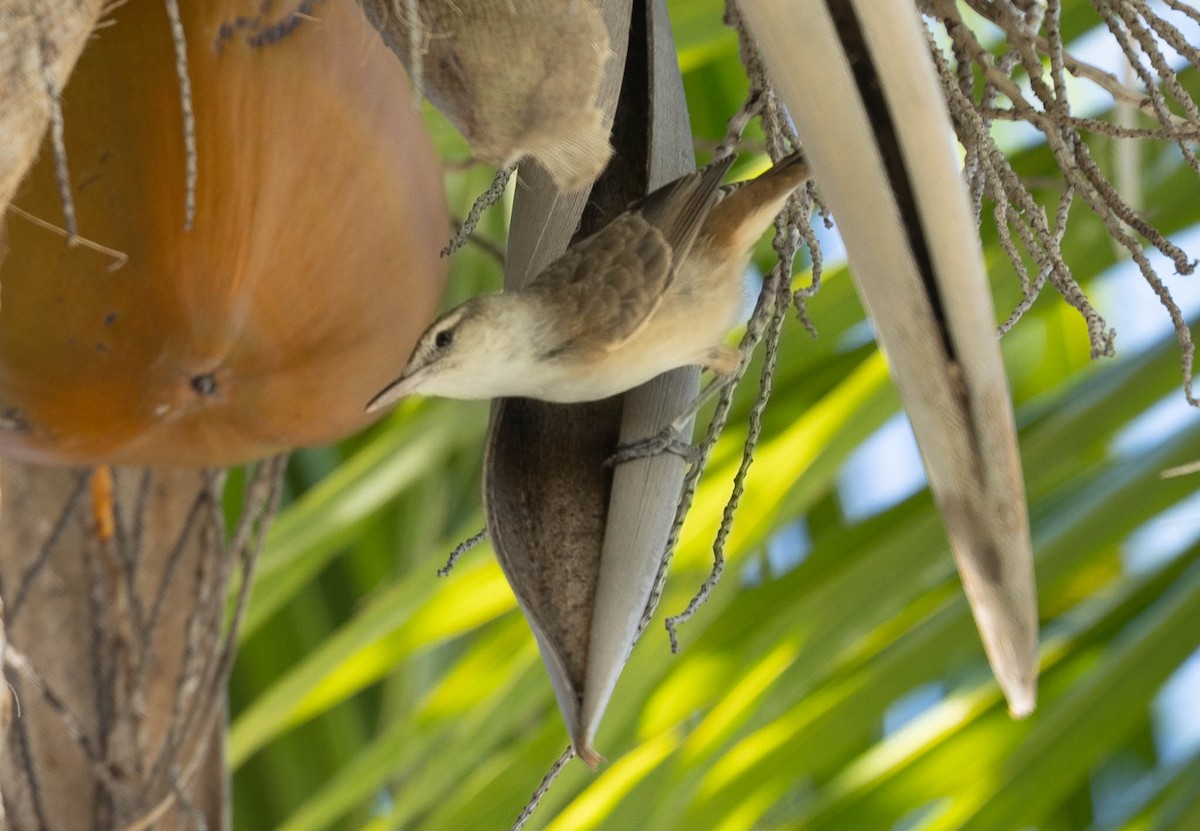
pixel 402 386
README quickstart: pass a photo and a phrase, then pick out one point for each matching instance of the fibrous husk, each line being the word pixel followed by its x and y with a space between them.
pixel 39 44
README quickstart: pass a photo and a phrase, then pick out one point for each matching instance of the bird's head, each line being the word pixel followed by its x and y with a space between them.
pixel 472 351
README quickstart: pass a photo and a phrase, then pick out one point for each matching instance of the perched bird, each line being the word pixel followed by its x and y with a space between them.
pixel 657 288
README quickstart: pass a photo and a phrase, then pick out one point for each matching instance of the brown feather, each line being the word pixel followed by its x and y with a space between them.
pixel 745 209
pixel 606 288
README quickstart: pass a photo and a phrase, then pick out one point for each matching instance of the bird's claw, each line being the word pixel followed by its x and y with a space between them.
pixel 668 440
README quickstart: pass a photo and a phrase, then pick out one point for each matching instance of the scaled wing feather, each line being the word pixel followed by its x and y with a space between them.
pixel 608 286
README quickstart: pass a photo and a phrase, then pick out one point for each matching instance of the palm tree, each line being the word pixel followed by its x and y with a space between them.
pixel 834 678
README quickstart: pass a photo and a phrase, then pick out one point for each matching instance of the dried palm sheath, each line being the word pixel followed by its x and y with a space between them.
pixel 858 80
pixel 581 546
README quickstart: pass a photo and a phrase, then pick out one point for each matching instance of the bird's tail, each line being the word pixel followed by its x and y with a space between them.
pixel 747 208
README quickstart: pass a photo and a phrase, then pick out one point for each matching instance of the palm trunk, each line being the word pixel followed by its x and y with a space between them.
pixel 120 642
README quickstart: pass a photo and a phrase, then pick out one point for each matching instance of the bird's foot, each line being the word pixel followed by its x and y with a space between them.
pixel 668 440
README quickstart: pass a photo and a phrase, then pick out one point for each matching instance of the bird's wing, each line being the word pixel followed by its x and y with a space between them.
pixel 604 289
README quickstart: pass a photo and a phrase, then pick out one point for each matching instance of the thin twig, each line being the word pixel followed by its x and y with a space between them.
pixel 543 788
pixel 190 155
pixel 485 200
pixel 1019 30
pixel 481 242
pixel 47 548
pixel 119 257
pixel 103 646
pixel 791 224
pixel 173 559
pixel 151 817
pixel 57 138
pixel 28 767
pixel 778 289
pixel 185 803
pixel 460 549
pixel 261 501
pixel 71 723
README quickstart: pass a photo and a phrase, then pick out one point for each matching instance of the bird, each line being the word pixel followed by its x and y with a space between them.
pixel 657 288
pixel 511 103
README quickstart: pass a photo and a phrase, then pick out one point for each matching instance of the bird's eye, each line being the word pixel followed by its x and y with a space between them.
pixel 443 339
